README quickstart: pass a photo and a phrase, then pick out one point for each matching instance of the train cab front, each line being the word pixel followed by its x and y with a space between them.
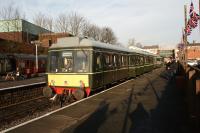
pixel 68 74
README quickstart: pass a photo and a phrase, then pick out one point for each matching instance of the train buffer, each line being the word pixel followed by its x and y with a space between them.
pixel 150 103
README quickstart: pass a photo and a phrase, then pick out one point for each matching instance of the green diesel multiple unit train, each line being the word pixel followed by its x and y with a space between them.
pixel 78 66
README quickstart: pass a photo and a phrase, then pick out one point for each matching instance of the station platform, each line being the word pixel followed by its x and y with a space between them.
pixel 10 84
pixel 150 103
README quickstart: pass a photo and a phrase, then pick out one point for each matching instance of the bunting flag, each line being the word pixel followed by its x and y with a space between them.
pixel 191 8
pixel 193 20
pixel 193 23
pixel 188 30
pixel 194 16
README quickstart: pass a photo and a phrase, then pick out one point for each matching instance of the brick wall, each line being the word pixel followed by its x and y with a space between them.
pixel 194 52
pixel 11 36
pixel 21 37
pixel 48 38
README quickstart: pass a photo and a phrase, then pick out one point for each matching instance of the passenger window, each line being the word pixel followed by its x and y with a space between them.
pixel 141 60
pixel 108 61
pixel 98 63
pixel 54 61
pixel 114 61
pixel 119 60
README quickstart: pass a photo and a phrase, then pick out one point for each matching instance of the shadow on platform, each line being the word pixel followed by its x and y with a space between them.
pixel 168 116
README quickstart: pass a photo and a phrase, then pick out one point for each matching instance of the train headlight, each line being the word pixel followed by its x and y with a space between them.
pixel 65 82
pixel 52 82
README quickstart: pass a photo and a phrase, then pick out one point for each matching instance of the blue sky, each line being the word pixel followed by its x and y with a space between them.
pixel 149 22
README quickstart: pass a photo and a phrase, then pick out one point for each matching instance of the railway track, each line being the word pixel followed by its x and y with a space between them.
pixel 27 108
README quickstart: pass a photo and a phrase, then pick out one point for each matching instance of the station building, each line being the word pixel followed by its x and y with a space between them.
pixel 19 30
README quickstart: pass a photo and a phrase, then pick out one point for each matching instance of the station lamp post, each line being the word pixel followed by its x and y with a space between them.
pixel 36 43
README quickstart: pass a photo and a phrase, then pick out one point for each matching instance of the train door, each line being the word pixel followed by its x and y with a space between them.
pixel 97 76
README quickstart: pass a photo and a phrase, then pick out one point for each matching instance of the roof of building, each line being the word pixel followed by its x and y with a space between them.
pixel 151 47
pixel 19 25
pixel 193 44
pixel 56 34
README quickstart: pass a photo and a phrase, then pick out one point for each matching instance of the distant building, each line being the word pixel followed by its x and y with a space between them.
pixel 152 49
pixel 193 51
pixel 167 53
pixel 46 39
pixel 19 30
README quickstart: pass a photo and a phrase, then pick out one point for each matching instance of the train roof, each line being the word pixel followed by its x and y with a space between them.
pixel 76 42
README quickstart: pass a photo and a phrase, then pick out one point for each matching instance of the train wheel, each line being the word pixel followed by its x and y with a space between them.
pixel 47 92
pixel 79 94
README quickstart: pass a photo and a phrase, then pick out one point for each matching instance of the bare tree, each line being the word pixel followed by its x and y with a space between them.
pixel 139 45
pixel 11 13
pixel 86 29
pixel 108 36
pixel 7 12
pixel 93 31
pixel 49 23
pixel 61 24
pixel 76 23
pixel 11 16
pixel 131 42
pixel 40 20
pixel 96 32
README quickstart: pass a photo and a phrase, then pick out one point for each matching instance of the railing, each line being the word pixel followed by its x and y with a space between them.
pixel 190 83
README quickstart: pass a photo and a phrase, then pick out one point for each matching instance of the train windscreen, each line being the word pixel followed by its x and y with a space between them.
pixel 69 61
pixel 82 61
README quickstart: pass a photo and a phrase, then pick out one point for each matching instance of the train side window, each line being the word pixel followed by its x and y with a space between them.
pixel 108 61
pixel 111 61
pixel 122 59
pixel 141 60
pixel 138 60
pixel 126 60
pixel 54 62
pixel 133 60
pixel 114 61
pixel 119 61
pixel 98 62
